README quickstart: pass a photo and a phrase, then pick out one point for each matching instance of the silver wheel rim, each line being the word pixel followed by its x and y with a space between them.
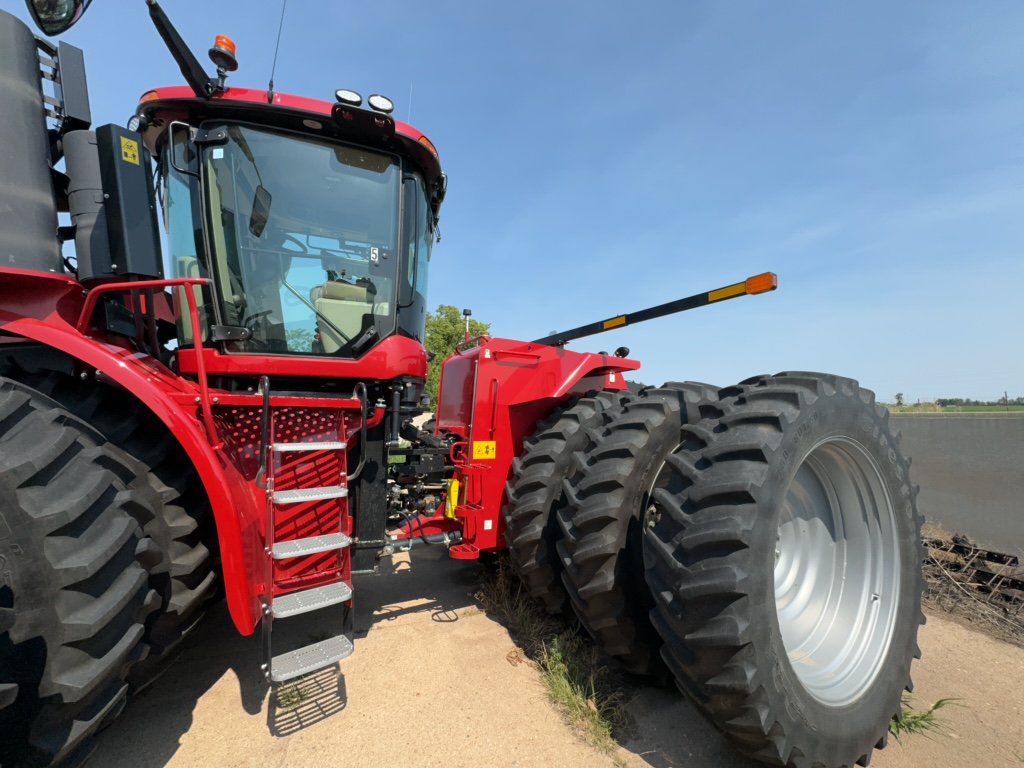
pixel 837 571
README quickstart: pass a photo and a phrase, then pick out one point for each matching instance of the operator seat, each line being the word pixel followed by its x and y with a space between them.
pixel 347 306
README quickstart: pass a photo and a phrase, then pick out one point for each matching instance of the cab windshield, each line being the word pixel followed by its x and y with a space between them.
pixel 304 237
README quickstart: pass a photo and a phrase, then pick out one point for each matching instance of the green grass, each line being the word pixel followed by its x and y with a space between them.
pixel 934 408
pixel 919 721
pixel 580 680
pixel 291 695
pixel 983 408
pixel 574 674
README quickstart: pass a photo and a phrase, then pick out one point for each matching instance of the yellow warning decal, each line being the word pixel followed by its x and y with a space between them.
pixel 615 322
pixel 485 449
pixel 129 150
pixel 727 293
pixel 453 499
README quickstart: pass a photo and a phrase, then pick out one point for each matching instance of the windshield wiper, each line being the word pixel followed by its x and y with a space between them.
pixel 316 311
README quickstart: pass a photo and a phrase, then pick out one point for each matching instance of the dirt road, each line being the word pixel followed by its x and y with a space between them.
pixel 432 683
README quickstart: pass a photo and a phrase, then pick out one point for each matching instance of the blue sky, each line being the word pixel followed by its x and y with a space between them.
pixel 605 158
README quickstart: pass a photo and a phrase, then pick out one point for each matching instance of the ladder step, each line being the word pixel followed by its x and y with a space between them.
pixel 310 659
pixel 308 600
pixel 310 494
pixel 311 546
pixel 282 447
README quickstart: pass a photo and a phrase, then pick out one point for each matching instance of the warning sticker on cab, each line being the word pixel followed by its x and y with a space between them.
pixel 485 449
pixel 129 150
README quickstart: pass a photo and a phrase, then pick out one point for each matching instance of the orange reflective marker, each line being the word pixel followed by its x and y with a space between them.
pixel 763 283
pixel 428 144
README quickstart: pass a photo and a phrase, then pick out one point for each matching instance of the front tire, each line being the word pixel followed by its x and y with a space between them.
pixel 182 529
pixel 73 586
pixel 786 566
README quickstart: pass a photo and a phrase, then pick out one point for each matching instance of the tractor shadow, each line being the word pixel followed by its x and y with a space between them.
pixel 214 695
pixel 191 695
pixel 667 731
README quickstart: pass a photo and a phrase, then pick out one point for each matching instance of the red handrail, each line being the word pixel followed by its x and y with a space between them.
pixel 197 341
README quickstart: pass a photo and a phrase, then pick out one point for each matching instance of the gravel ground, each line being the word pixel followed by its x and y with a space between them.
pixel 434 682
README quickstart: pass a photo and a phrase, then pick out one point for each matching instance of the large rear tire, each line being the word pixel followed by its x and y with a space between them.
pixel 785 556
pixel 600 543
pixel 73 587
pixel 535 494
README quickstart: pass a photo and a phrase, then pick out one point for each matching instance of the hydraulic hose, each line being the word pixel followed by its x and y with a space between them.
pixel 359 391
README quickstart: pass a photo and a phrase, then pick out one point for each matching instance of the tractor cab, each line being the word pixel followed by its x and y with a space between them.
pixel 313 222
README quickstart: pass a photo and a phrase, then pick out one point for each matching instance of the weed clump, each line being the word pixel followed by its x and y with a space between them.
pixel 919 721
pixel 580 679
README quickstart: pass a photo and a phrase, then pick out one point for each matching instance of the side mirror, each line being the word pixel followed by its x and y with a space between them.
pixel 55 17
pixel 260 211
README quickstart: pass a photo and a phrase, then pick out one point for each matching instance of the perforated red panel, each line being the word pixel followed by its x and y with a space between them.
pixel 309 469
pixel 240 427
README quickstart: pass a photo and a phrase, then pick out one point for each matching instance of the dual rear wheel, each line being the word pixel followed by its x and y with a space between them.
pixel 761 542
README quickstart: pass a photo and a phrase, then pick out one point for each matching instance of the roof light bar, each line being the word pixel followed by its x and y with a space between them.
pixel 345 96
pixel 381 103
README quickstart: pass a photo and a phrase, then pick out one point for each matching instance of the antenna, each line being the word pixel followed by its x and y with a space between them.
pixel 273 67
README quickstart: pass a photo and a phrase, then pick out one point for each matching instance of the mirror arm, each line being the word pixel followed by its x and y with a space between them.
pixel 200 83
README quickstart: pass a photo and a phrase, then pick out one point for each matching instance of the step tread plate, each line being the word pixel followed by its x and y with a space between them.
pixel 295 603
pixel 326 446
pixel 310 546
pixel 310 494
pixel 309 659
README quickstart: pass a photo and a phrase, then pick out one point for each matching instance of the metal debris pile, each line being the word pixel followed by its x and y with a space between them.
pixel 981 585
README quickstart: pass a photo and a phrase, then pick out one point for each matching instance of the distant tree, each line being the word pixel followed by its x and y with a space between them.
pixel 899 398
pixel 300 340
pixel 445 329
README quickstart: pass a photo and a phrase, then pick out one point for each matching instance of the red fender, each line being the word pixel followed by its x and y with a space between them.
pixel 492 396
pixel 170 397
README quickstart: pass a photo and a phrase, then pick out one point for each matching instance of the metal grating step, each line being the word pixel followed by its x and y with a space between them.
pixel 308 600
pixel 311 546
pixel 310 494
pixel 310 659
pixel 282 447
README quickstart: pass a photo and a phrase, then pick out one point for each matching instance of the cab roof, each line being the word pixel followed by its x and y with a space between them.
pixel 298 113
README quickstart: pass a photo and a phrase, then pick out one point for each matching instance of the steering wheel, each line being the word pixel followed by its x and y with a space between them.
pixel 257 316
pixel 286 238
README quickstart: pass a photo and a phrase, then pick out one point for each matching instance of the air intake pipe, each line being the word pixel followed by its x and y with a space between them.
pixel 28 207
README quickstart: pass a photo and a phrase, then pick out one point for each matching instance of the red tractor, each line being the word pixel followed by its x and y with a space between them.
pixel 214 408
